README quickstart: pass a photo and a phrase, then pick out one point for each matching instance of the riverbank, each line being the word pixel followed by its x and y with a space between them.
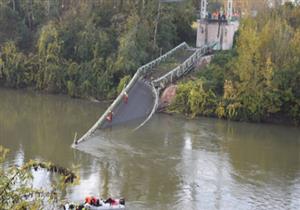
pixel 167 105
pixel 275 120
pixel 192 100
pixel 32 90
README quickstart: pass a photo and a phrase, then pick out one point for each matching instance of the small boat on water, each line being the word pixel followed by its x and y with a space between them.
pixel 92 203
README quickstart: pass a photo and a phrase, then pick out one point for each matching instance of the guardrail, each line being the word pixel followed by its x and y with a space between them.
pixel 139 73
pixel 182 69
pixel 149 66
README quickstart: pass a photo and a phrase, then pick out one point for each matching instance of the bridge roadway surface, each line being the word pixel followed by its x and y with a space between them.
pixel 140 103
pixel 179 57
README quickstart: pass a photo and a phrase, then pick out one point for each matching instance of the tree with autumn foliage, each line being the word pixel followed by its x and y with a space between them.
pixel 259 79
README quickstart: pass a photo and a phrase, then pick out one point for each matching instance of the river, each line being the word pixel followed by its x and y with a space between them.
pixel 170 163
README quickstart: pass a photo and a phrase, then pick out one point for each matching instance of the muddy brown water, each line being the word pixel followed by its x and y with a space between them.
pixel 170 163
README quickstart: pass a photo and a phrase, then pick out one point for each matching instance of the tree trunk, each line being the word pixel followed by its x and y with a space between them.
pixel 156 25
pixel 30 15
pixel 48 8
pixel 14 5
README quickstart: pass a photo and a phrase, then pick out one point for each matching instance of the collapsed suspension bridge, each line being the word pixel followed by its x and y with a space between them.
pixel 144 88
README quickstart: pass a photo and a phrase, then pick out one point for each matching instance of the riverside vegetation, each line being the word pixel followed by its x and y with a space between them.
pixel 16 190
pixel 258 80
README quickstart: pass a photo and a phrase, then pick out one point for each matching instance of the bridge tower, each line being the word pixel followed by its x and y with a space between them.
pixel 218 26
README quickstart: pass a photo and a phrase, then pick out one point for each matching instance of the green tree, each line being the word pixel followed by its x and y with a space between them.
pixel 51 75
pixel 13 71
pixel 201 101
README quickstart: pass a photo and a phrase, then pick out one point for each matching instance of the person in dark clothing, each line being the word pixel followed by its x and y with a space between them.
pixel 209 16
pixel 223 17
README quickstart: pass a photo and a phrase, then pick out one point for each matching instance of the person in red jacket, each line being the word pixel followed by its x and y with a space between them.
pixel 88 200
pixel 125 97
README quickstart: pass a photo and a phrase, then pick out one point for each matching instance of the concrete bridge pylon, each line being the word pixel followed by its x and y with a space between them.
pixel 216 27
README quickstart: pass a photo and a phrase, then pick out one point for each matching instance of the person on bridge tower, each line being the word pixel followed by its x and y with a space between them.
pixel 125 97
pixel 109 116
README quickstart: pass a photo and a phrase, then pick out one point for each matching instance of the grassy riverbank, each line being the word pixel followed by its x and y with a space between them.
pixel 258 81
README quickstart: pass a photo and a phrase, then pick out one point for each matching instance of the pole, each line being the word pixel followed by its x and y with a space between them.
pixel 203 9
pixel 229 10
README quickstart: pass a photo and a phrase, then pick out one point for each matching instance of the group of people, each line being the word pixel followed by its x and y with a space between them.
pixel 91 201
pixel 220 16
pixel 216 16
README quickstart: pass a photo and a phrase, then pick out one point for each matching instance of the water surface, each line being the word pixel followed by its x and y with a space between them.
pixel 171 163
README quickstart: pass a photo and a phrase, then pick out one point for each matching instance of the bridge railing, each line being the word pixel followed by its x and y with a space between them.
pixel 149 66
pixel 139 73
pixel 182 69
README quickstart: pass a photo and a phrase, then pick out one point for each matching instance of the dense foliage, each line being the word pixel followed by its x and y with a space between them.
pixel 259 80
pixel 84 48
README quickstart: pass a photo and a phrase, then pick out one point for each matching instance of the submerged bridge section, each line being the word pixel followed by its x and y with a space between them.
pixel 139 99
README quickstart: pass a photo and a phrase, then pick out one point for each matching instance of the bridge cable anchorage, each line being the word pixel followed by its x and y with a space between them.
pixel 143 78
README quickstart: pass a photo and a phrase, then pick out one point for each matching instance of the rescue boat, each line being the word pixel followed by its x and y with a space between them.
pixel 97 204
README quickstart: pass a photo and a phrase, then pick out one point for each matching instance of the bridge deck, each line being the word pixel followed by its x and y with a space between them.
pixel 139 104
pixel 175 60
